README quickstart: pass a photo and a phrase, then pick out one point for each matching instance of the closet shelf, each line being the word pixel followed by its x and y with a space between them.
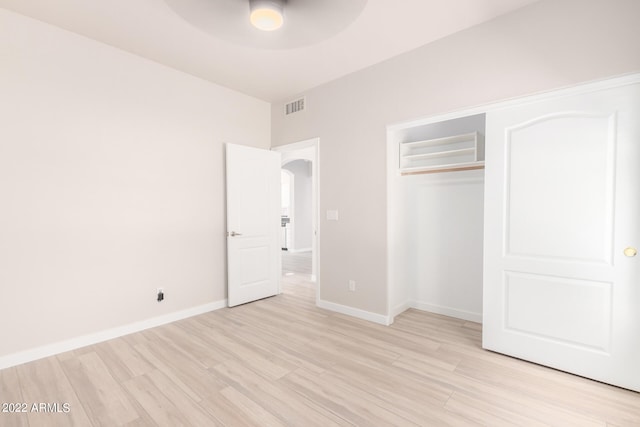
pixel 447 140
pixel 451 153
pixel 443 168
pixel 447 153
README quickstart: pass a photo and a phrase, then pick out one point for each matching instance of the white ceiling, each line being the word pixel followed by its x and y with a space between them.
pixel 151 29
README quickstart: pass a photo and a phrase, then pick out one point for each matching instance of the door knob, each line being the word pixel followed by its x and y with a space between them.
pixel 630 252
pixel 234 234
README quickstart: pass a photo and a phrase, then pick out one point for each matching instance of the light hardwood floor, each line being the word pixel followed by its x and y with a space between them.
pixel 283 362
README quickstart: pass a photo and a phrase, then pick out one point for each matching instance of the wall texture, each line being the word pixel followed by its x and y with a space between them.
pixel 548 45
pixel 111 182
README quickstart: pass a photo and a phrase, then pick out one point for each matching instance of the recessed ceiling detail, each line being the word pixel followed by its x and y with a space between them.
pixel 271 65
pixel 307 22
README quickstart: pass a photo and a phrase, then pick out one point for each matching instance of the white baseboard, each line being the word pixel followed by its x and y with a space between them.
pixel 355 312
pixel 447 311
pixel 85 340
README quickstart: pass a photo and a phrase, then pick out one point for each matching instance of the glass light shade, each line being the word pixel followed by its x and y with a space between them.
pixel 266 15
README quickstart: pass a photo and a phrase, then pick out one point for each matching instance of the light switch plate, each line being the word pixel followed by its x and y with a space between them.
pixel 332 215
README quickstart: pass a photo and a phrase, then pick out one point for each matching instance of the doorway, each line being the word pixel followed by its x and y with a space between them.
pixel 287 192
pixel 296 220
pixel 300 231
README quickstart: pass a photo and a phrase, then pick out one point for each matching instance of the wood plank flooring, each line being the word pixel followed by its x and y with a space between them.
pixel 284 362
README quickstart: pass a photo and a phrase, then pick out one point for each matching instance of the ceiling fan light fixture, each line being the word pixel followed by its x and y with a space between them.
pixel 267 15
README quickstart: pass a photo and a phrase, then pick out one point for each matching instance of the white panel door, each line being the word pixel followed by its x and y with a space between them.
pixel 253 224
pixel 562 209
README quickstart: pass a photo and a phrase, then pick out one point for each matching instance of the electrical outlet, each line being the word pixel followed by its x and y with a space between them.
pixel 160 294
pixel 352 285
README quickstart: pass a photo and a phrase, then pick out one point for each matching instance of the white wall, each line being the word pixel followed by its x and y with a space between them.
pixel 547 45
pixel 111 182
pixel 444 213
pixel 302 224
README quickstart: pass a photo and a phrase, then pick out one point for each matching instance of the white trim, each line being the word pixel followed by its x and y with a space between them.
pixel 109 334
pixel 355 312
pixel 576 88
pixel 393 162
pixel 447 311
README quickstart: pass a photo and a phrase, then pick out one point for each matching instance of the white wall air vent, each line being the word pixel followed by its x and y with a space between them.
pixel 294 106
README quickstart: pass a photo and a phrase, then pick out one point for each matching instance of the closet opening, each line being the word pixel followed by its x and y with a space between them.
pixel 436 211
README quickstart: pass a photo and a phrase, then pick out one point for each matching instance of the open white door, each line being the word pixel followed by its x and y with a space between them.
pixel 562 202
pixel 253 224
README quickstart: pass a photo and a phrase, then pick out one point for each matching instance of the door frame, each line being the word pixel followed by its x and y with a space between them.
pixel 309 149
